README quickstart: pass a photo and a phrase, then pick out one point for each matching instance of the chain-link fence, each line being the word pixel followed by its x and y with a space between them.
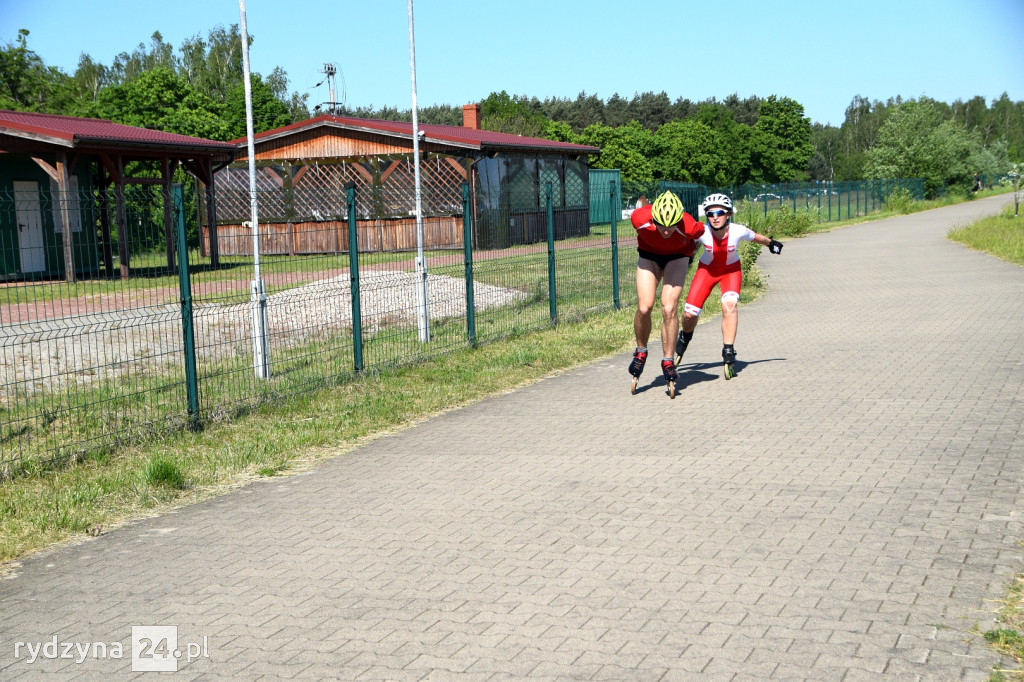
pixel 155 334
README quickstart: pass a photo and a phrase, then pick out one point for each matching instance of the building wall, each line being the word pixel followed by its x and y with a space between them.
pixel 17 167
pixel 324 143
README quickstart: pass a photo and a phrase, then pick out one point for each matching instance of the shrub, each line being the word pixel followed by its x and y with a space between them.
pixel 899 201
pixel 781 222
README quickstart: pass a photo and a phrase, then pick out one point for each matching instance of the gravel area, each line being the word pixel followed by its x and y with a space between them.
pixel 79 351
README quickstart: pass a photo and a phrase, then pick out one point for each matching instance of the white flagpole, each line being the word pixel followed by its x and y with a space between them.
pixel 421 263
pixel 258 298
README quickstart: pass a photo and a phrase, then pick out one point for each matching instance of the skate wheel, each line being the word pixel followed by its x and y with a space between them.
pixel 633 389
pixel 729 372
pixel 672 389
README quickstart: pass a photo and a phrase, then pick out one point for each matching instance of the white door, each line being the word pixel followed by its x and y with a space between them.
pixel 30 226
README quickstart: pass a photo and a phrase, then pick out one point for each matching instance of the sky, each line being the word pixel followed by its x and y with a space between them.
pixel 820 53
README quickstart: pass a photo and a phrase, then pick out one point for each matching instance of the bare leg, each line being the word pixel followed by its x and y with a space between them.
pixel 671 290
pixel 647 276
pixel 730 320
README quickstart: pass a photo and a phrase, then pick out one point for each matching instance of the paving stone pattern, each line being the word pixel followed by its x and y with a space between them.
pixel 848 508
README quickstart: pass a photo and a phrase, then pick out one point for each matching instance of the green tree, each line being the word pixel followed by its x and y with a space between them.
pixel 268 112
pixel 160 100
pixel 560 132
pixel 630 148
pixel 734 140
pixel 693 153
pixel 651 110
pixel 27 84
pixel 781 143
pixel 213 66
pixel 915 142
pixel 827 143
pixel 127 67
pixel 504 113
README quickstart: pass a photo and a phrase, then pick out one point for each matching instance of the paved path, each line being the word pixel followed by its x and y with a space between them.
pixel 847 509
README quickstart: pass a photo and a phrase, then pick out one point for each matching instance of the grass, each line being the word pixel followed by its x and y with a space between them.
pixel 1001 235
pixel 1008 637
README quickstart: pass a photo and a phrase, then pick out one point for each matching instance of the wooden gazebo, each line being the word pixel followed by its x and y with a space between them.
pixel 79 152
pixel 302 169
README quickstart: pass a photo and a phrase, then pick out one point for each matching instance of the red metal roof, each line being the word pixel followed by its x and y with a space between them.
pixel 71 131
pixel 455 135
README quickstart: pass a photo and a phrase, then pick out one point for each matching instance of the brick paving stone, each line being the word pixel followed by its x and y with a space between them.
pixel 848 508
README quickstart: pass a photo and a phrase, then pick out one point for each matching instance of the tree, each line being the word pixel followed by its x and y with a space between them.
pixel 651 110
pixel 693 153
pixel 268 111
pixel 160 100
pixel 616 111
pixel 629 148
pixel 27 84
pixel 91 77
pixel 734 139
pixel 128 67
pixel 781 141
pixel 560 132
pixel 827 141
pixel 915 142
pixel 213 66
pixel 504 113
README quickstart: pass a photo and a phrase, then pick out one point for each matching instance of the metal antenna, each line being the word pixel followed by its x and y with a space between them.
pixel 330 71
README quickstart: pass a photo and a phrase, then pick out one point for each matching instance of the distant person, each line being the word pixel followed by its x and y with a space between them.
pixel 665 235
pixel 977 182
pixel 719 264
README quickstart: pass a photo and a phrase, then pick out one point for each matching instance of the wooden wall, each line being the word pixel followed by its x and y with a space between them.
pixel 324 143
pixel 331 236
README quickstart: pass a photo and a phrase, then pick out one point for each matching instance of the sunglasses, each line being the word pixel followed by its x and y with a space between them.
pixel 716 214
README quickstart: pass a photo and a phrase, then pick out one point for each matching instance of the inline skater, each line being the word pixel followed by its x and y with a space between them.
pixel 719 264
pixel 665 234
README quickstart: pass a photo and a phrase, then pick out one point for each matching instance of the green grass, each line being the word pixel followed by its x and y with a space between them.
pixel 1007 638
pixel 1001 235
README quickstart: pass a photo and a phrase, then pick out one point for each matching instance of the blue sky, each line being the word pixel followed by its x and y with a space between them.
pixel 819 53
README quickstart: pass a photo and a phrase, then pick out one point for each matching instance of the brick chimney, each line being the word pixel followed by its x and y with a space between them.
pixel 471 116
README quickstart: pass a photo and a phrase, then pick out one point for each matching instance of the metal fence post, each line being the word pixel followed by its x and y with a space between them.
pixel 353 272
pixel 614 206
pixel 467 244
pixel 552 295
pixel 187 321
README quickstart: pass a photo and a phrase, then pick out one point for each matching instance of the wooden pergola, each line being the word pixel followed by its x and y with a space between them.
pixel 57 144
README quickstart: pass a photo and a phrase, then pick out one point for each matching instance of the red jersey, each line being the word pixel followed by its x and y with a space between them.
pixel 681 241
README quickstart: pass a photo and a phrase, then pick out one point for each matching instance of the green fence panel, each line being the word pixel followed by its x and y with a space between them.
pixel 600 211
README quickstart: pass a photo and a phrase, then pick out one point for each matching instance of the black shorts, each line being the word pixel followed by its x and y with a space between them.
pixel 661 259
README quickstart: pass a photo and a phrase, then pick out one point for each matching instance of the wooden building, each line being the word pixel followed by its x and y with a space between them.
pixel 302 170
pixel 55 172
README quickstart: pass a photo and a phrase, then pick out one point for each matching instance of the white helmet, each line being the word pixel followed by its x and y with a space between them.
pixel 717 200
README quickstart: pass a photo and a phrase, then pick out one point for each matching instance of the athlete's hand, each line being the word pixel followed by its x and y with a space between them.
pixel 775 247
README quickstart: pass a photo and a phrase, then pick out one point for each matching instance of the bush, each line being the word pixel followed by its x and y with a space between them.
pixel 782 222
pixel 899 201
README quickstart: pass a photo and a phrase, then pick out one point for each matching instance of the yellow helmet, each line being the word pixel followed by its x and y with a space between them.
pixel 667 210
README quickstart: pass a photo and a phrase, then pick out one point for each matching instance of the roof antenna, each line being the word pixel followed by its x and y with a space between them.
pixel 334 106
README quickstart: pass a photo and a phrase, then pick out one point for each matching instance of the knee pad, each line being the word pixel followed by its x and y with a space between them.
pixel 691 309
pixel 732 297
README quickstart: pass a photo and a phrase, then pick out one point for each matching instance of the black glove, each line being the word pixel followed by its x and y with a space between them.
pixel 775 247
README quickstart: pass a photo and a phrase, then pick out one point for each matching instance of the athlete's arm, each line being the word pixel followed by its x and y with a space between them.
pixel 773 245
pixel 641 220
pixel 690 227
